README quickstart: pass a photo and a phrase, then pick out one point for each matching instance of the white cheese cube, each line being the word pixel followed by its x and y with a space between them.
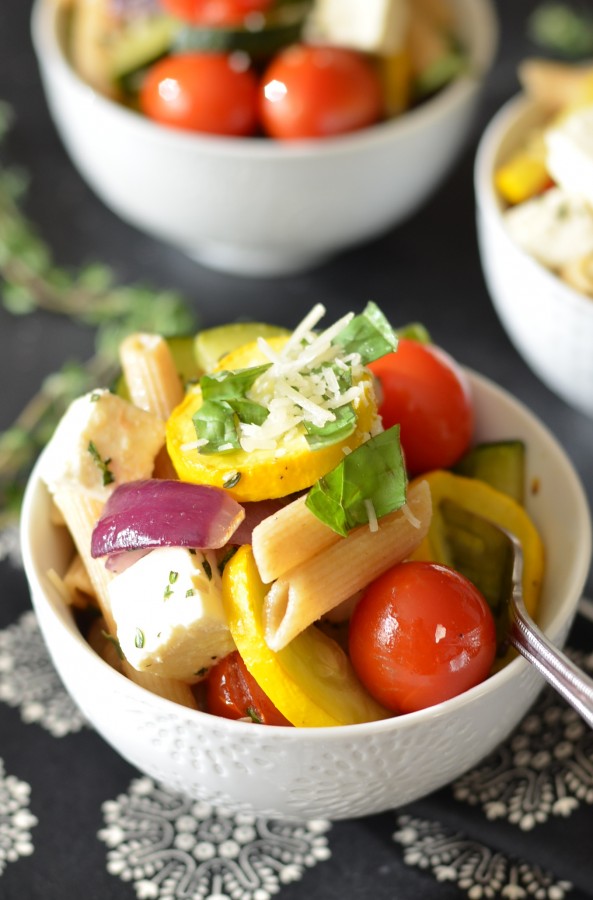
pixel 169 614
pixel 554 227
pixel 100 442
pixel 372 26
pixel 569 159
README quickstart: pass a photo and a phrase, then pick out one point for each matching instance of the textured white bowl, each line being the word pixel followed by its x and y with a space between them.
pixel 255 206
pixel 325 772
pixel 549 323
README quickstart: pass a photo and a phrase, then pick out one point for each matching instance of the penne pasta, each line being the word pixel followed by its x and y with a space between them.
pixel 288 538
pixel 308 591
pixel 81 511
pixel 150 373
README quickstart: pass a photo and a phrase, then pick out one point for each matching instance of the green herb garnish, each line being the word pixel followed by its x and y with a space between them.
pixel 32 282
pixel 189 592
pixel 102 464
pixel 173 576
pixel 217 423
pixel 560 29
pixel 139 639
pixel 368 334
pixel 373 474
pixel 115 642
pixel 234 385
pixel 168 592
pixel 232 479
pixel 323 435
pixel 253 714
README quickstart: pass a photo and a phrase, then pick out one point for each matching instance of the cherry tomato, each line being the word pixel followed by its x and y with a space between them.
pixel 215 12
pixel 201 92
pixel 421 633
pixel 317 92
pixel 233 693
pixel 429 396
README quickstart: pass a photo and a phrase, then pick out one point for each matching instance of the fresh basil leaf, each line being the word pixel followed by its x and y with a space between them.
pixel 227 385
pixel 374 472
pixel 249 412
pixel 414 331
pixel 216 422
pixel 342 427
pixel 368 334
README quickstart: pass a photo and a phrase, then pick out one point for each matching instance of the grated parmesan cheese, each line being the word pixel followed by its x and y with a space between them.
pixel 301 386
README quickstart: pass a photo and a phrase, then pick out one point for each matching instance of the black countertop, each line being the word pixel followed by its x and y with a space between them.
pixel 524 829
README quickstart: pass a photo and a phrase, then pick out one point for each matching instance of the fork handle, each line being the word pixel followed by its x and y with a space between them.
pixel 571 682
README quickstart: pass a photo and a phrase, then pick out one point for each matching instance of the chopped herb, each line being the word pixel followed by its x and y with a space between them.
pixel 332 432
pixel 115 642
pixel 368 334
pixel 228 554
pixel 232 479
pixel 207 569
pixel 562 30
pixel 173 576
pixel 374 472
pixel 216 422
pixel 253 714
pixel 190 592
pixel 103 464
pixel 95 396
pixel 139 639
pixel 168 592
pixel 231 385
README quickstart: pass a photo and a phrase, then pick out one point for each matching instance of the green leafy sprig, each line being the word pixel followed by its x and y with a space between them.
pixel 31 281
pixel 562 29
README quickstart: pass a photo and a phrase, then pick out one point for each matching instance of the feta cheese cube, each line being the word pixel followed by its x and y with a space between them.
pixel 569 159
pixel 169 614
pixel 372 26
pixel 101 441
pixel 554 227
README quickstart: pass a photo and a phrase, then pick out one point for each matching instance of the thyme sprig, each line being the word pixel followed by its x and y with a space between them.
pixel 31 281
pixel 562 29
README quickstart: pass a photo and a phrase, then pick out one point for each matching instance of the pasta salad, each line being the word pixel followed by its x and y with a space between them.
pixel 270 526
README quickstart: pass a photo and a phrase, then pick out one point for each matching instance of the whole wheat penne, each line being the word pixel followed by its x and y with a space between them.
pixel 81 511
pixel 305 593
pixel 78 583
pixel 287 538
pixel 556 85
pixel 150 373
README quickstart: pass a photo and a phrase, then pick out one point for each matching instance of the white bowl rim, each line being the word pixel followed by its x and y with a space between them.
pixel 363 730
pixel 490 205
pixel 43 27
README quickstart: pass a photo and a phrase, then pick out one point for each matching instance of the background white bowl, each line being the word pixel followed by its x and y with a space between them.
pixel 549 323
pixel 325 772
pixel 256 206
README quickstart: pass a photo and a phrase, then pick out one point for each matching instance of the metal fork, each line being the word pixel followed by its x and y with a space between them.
pixel 574 685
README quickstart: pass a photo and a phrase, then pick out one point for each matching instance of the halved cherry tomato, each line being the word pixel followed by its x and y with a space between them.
pixel 313 91
pixel 231 692
pixel 426 392
pixel 422 633
pixel 215 12
pixel 204 92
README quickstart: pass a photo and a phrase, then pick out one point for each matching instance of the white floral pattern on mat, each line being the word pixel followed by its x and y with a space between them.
pixel 16 820
pixel 480 872
pixel 545 768
pixel 172 847
pixel 29 681
pixel 10 546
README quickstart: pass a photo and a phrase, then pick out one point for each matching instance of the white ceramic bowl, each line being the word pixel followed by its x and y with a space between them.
pixel 325 772
pixel 255 206
pixel 549 323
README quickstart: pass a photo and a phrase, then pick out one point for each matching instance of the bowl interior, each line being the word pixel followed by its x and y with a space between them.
pixel 555 500
pixel 478 29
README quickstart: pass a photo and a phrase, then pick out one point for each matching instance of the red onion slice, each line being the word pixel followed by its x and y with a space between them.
pixel 142 515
